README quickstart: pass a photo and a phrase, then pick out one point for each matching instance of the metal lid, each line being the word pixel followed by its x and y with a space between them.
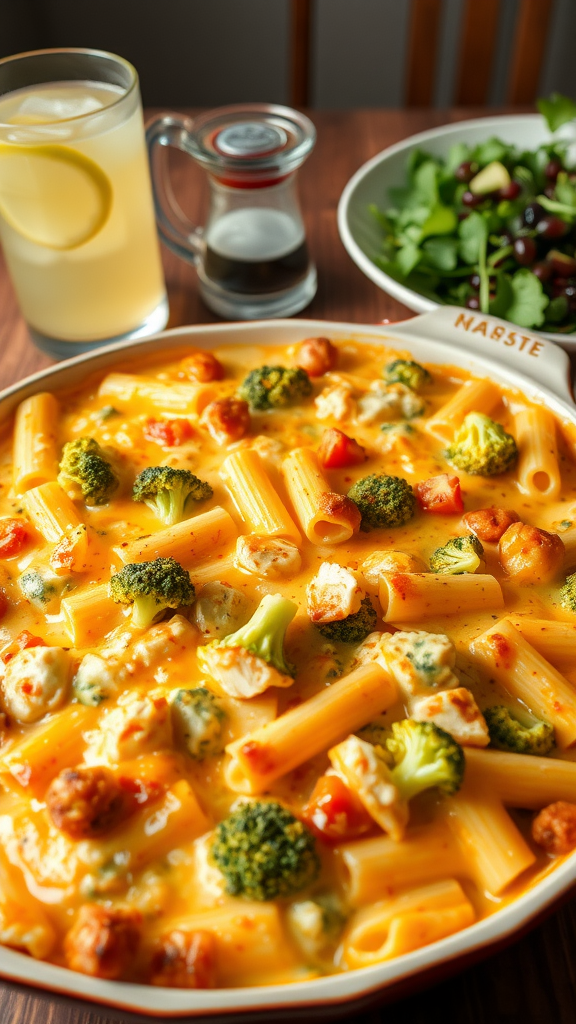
pixel 251 145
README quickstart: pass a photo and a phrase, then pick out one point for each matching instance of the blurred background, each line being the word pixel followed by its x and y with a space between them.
pixel 324 54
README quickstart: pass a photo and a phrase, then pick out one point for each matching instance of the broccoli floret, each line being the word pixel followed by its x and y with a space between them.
pixel 354 628
pixel 459 554
pixel 383 500
pixel 151 588
pixel 507 733
pixel 273 387
pixel 86 472
pixel 424 756
pixel 169 492
pixel 250 660
pixel 264 852
pixel 482 447
pixel 198 719
pixel 568 593
pixel 407 372
pixel 263 635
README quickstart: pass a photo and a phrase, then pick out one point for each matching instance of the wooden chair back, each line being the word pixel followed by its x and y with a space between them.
pixel 475 61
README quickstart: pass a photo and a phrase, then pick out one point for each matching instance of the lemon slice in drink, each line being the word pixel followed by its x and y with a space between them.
pixel 53 195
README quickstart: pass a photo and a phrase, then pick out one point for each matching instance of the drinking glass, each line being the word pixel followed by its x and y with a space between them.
pixel 76 213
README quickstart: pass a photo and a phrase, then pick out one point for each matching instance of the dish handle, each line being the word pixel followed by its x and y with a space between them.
pixel 522 350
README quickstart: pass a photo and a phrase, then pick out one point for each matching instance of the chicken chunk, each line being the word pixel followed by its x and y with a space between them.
pixel 36 681
pixel 420 662
pixel 139 724
pixel 103 941
pixel 554 828
pixel 456 712
pixel 333 594
pixel 85 802
pixel 379 563
pixel 185 959
pixel 237 672
pixel 268 556
pixel 384 402
pixel 220 610
pixel 336 402
pixel 368 776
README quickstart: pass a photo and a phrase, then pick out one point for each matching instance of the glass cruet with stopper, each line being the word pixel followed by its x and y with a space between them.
pixel 251 256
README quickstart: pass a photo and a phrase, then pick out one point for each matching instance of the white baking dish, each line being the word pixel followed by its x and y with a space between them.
pixel 485 346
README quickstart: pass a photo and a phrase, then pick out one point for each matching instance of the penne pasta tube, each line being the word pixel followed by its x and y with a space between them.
pixel 495 851
pixel 275 749
pixel 149 833
pixel 129 389
pixel 35 441
pixel 473 396
pixel 568 538
pixel 325 517
pixel 555 641
pixel 538 471
pixel 406 922
pixel 374 868
pixel 516 665
pixel 89 614
pixel 519 780
pixel 53 513
pixel 412 596
pixel 257 502
pixel 188 542
pixel 33 760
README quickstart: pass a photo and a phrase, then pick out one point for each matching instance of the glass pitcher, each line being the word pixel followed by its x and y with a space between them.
pixel 251 256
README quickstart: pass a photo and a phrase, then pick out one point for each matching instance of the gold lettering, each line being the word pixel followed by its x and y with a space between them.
pixel 498 332
pixel 524 342
pixel 481 327
pixel 462 321
pixel 535 348
pixel 510 339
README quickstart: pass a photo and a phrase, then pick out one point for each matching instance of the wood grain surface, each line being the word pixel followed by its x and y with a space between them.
pixel 533 981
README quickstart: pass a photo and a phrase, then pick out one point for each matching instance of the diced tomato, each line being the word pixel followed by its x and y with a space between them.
pixel 13 536
pixel 440 494
pixel 201 367
pixel 337 450
pixel 21 643
pixel 169 433
pixel 334 812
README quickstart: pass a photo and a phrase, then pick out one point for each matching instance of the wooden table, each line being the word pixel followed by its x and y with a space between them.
pixel 534 980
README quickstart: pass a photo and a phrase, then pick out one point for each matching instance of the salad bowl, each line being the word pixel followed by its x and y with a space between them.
pixel 359 230
pixel 480 344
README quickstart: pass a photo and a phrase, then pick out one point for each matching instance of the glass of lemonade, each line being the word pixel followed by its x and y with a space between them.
pixel 76 214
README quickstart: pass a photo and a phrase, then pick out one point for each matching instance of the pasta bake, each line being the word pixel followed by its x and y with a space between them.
pixel 287 677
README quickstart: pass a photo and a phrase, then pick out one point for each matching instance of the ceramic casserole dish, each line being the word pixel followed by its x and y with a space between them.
pixel 483 346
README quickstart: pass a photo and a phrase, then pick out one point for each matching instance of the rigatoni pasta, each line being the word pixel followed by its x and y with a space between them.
pixel 232 731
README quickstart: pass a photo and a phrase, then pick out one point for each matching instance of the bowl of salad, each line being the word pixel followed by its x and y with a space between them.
pixel 479 214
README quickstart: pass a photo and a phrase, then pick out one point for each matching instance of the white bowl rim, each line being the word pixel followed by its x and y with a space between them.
pixel 337 989
pixel 401 292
